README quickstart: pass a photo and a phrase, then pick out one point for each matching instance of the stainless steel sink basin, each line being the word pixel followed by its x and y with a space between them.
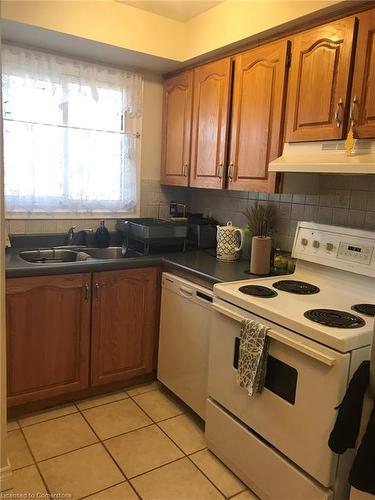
pixel 111 253
pixel 53 256
pixel 59 255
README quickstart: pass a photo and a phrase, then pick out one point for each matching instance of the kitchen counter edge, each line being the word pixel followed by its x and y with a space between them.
pixel 197 263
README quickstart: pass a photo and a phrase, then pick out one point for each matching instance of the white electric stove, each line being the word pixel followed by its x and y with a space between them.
pixel 321 321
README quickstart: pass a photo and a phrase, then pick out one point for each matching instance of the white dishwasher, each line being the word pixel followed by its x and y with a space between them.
pixel 183 342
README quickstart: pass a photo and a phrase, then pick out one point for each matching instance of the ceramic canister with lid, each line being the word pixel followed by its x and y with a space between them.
pixel 230 240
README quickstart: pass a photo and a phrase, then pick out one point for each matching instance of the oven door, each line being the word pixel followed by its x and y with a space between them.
pixel 305 381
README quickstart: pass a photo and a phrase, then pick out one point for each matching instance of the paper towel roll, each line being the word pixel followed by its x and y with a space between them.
pixel 260 256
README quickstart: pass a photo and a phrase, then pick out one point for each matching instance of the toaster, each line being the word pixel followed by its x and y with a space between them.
pixel 201 233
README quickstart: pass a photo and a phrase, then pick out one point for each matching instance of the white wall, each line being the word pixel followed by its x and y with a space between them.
pixel 151 133
pixel 5 473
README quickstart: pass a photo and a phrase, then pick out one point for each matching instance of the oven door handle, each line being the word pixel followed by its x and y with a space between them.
pixel 284 339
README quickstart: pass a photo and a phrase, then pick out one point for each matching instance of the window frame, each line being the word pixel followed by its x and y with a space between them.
pixel 85 214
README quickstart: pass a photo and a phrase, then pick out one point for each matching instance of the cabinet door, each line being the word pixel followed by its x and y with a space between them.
pixel 257 112
pixel 48 322
pixel 363 93
pixel 210 124
pixel 124 324
pixel 177 109
pixel 319 82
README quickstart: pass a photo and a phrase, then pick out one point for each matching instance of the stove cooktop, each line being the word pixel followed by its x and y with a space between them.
pixel 367 309
pixel 288 309
pixel 298 287
pixel 258 291
pixel 334 318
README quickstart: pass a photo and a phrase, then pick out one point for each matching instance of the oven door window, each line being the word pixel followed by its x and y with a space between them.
pixel 281 378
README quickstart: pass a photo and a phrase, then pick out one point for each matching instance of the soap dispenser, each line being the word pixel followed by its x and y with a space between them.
pixel 101 238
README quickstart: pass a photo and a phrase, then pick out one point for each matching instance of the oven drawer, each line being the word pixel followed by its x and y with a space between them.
pixel 265 471
pixel 296 410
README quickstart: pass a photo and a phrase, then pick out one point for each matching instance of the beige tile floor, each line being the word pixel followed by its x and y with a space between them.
pixel 141 442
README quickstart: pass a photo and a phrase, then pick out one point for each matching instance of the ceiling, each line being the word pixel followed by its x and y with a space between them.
pixel 180 10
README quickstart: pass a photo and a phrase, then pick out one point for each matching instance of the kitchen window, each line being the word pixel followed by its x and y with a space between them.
pixel 71 135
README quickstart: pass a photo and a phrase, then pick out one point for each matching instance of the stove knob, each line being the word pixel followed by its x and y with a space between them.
pixel 329 247
pixel 304 242
pixel 316 244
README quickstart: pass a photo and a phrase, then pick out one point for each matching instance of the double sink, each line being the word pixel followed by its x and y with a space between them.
pixel 59 255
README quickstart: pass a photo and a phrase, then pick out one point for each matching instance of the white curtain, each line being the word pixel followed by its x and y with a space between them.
pixel 71 135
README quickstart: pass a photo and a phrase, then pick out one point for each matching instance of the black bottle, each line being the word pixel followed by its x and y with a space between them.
pixel 101 237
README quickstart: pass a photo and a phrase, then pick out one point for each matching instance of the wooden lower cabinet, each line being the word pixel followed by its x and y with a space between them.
pixel 48 336
pixel 124 324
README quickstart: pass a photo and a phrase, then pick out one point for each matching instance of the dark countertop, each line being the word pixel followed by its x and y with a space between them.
pixel 204 265
pixel 199 263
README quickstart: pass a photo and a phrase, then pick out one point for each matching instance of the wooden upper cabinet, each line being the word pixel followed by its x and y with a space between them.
pixel 48 329
pixel 319 82
pixel 210 124
pixel 363 90
pixel 177 109
pixel 257 116
pixel 124 324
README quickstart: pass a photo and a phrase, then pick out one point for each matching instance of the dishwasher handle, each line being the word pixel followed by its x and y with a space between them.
pixel 280 337
pixel 186 292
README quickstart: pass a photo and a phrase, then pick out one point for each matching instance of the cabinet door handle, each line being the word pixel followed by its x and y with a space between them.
pixel 185 169
pixel 97 287
pixel 220 171
pixel 352 115
pixel 87 289
pixel 230 171
pixel 338 113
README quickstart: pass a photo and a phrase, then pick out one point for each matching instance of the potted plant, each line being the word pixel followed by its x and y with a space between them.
pixel 260 220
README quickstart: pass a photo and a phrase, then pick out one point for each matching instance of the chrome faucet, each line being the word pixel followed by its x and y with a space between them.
pixel 70 235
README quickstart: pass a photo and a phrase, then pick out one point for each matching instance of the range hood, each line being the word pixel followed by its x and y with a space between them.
pixel 326 157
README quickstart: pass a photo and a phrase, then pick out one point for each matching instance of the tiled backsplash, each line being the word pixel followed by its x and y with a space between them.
pixel 155 198
pixel 342 200
pixel 27 226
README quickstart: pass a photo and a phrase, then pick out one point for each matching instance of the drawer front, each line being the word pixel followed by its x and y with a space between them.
pixel 266 472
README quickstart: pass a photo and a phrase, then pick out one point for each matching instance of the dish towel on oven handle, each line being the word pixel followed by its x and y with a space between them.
pixel 345 432
pixel 252 361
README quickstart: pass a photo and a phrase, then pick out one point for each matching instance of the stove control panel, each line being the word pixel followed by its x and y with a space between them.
pixel 355 252
pixel 342 248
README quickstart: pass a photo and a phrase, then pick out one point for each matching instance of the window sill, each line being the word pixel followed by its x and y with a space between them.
pixel 72 216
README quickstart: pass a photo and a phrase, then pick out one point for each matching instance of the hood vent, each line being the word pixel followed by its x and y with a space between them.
pixel 327 157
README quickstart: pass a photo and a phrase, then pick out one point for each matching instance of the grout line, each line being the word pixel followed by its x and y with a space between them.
pixel 101 442
pixel 102 404
pixel 169 437
pixel 155 468
pixel 126 389
pixel 179 447
pixel 247 489
pixel 127 432
pixel 104 489
pixel 205 475
pixel 36 463
pixel 196 451
pixel 67 452
pixel 48 420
